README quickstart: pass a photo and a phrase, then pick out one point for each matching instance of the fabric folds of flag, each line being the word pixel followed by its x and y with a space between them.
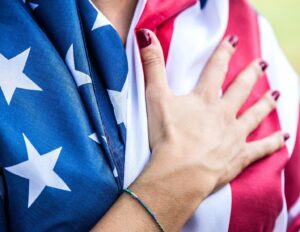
pixel 73 120
pixel 62 115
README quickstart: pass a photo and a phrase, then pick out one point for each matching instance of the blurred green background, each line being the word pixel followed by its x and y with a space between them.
pixel 284 15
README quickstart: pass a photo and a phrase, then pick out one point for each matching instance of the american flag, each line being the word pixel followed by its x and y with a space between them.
pixel 73 117
pixel 63 114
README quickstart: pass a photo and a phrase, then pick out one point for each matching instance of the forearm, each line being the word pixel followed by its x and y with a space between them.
pixel 170 206
pixel 126 215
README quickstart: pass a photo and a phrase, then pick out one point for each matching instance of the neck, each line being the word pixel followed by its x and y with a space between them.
pixel 119 13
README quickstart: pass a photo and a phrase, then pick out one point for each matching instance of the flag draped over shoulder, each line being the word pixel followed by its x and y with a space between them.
pixel 73 122
pixel 63 114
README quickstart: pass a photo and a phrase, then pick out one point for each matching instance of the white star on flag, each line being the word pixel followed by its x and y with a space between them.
pixel 33 5
pixel 12 76
pixel 100 20
pixel 95 138
pixel 115 172
pixel 38 169
pixel 80 77
pixel 104 138
pixel 119 101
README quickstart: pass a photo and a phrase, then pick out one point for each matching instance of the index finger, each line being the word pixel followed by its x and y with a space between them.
pixel 216 69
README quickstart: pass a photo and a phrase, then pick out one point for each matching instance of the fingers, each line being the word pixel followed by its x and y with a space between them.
pixel 257 150
pixel 152 60
pixel 251 119
pixel 216 69
pixel 245 82
pixel 267 146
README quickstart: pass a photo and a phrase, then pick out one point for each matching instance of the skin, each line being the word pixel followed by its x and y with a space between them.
pixel 119 13
pixel 182 150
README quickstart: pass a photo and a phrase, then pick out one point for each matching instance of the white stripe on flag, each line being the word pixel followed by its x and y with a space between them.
pixel 294 211
pixel 196 35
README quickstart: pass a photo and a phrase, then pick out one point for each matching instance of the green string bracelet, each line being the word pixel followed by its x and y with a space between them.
pixel 134 196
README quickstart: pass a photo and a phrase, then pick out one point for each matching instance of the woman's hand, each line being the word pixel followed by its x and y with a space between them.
pixel 198 143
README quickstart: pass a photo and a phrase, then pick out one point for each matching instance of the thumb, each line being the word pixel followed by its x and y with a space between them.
pixel 152 59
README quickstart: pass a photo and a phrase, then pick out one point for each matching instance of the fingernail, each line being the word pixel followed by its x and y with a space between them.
pixel 263 65
pixel 276 95
pixel 233 40
pixel 143 38
pixel 286 137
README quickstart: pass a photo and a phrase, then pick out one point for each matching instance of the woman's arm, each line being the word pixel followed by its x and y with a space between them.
pixel 198 143
pixel 128 215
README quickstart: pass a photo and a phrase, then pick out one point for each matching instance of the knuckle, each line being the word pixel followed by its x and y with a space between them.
pixel 243 126
pixel 261 109
pixel 159 106
pixel 152 57
pixel 256 69
pixel 252 119
pixel 245 81
pixel 155 94
pixel 226 174
pixel 257 113
pixel 226 48
pixel 268 146
pixel 227 111
pixel 279 141
pixel 252 153
pixel 270 102
pixel 240 131
pixel 249 76
pixel 228 118
pixel 207 97
pixel 244 159
pixel 221 59
pixel 220 65
pixel 150 93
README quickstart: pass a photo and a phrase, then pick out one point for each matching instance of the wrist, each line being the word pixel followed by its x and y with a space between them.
pixel 166 195
pixel 190 179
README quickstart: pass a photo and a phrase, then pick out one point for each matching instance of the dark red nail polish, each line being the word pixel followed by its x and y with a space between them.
pixel 286 137
pixel 276 95
pixel 143 38
pixel 233 40
pixel 264 65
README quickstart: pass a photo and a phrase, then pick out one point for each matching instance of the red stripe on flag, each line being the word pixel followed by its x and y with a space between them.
pixel 292 174
pixel 292 182
pixel 157 12
pixel 257 192
pixel 164 34
pixel 295 226
pixel 159 16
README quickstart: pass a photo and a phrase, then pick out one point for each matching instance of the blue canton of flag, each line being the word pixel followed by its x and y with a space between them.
pixel 63 115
